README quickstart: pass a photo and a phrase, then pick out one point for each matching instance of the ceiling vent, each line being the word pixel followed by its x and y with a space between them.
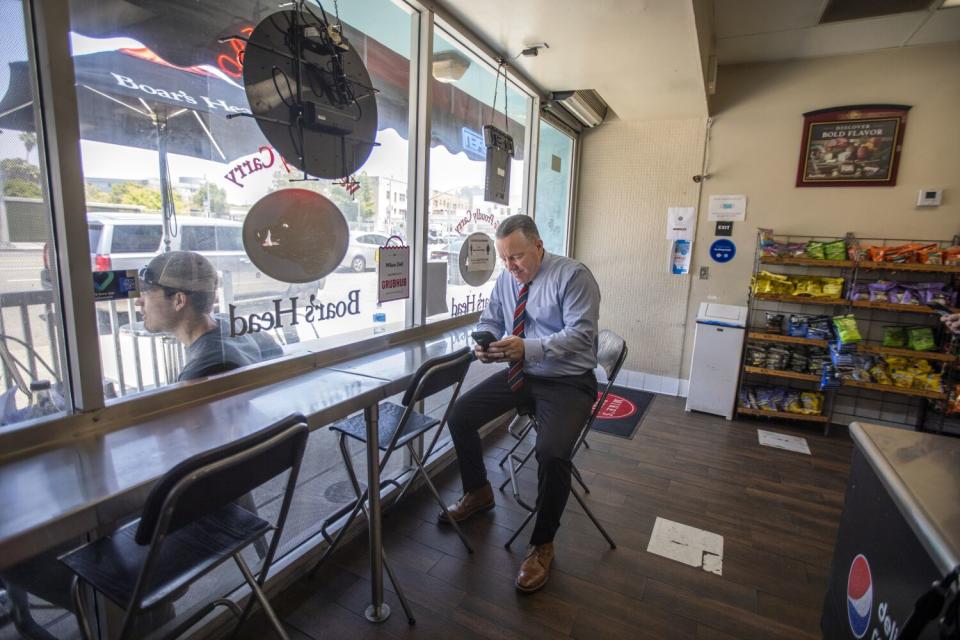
pixel 585 105
pixel 841 10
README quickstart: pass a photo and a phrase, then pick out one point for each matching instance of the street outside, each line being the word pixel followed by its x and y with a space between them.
pixel 349 302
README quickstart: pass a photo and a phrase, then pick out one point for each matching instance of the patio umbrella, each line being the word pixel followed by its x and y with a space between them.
pixel 129 96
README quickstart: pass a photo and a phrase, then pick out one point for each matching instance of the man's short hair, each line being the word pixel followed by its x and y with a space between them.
pixel 185 271
pixel 519 222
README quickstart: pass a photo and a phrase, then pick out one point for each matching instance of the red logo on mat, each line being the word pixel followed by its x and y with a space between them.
pixel 615 407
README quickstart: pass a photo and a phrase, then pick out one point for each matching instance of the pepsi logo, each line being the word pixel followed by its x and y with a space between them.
pixel 615 407
pixel 859 596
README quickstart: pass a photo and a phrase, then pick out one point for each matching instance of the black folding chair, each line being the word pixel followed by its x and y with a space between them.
pixel 190 525
pixel 398 426
pixel 611 353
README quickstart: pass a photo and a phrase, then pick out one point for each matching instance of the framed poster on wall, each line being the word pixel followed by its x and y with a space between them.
pixel 853 146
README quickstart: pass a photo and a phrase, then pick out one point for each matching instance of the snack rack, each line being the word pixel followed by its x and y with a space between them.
pixel 854 399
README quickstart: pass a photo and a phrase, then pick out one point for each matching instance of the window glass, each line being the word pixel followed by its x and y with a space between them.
pixel 198 238
pixel 554 171
pixel 157 147
pixel 32 377
pixel 463 102
pixel 136 238
pixel 229 239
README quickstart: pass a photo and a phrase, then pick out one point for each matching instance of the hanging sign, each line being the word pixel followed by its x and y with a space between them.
pixel 393 272
pixel 722 250
pixel 728 208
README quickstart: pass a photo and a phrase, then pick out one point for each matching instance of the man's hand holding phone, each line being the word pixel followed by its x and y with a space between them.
pixel 489 349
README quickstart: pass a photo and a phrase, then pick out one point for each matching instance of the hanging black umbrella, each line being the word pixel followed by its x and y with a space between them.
pixel 132 97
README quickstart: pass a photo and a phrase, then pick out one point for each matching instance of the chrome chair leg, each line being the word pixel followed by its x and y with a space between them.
pixel 80 608
pixel 259 595
pixel 521 436
pixel 436 494
pixel 396 585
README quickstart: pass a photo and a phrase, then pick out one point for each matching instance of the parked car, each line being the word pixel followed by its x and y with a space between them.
pixel 363 250
pixel 130 240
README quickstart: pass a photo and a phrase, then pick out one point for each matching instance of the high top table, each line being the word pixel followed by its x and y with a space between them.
pixel 55 496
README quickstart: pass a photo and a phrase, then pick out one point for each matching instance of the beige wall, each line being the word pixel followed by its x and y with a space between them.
pixel 754 148
pixel 631 171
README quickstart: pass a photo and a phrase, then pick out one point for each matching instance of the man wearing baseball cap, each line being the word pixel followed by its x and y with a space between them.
pixel 178 289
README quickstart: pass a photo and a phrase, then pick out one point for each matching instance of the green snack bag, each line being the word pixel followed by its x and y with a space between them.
pixel 846 327
pixel 836 250
pixel 921 339
pixel 894 337
pixel 815 250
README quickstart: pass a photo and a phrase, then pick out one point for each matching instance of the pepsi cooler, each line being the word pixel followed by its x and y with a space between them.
pixel 899 532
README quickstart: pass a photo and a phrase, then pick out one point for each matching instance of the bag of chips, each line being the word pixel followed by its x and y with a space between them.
pixel 756 355
pixel 792 402
pixel 797 326
pixel 832 287
pixel 880 290
pixel 774 323
pixel 904 295
pixel 921 339
pixel 836 250
pixel 895 337
pixel 819 328
pixel 859 291
pixel 880 374
pixel 812 402
pixel 846 328
pixel 902 379
pixel 815 250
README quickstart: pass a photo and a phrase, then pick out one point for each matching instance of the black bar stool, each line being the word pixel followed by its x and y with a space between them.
pixel 398 426
pixel 190 525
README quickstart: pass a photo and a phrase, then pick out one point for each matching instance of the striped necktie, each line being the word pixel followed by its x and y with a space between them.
pixel 515 375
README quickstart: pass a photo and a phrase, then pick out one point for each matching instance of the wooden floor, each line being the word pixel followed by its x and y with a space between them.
pixel 777 512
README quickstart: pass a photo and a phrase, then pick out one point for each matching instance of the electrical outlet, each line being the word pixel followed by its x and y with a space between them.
pixel 704 273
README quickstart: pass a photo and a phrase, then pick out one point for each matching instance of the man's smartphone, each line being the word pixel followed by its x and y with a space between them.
pixel 941 309
pixel 483 338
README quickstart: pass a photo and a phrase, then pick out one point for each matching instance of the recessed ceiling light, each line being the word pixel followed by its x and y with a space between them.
pixel 947 4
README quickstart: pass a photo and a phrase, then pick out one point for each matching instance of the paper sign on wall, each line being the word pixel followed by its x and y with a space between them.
pixel 728 208
pixel 393 273
pixel 482 256
pixel 681 223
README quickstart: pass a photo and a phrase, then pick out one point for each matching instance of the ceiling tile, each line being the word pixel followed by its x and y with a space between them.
pixel 837 38
pixel 943 26
pixel 745 17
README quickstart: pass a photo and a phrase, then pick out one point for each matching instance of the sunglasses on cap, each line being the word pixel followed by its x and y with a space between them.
pixel 149 280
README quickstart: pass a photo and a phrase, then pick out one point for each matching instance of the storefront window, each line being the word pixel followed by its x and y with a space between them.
pixel 166 170
pixel 554 172
pixel 463 102
pixel 31 349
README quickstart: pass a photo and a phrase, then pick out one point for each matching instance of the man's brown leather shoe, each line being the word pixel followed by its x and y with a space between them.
pixel 535 569
pixel 472 502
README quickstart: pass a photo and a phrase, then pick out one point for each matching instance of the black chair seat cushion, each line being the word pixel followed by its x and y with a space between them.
pixel 390 414
pixel 111 564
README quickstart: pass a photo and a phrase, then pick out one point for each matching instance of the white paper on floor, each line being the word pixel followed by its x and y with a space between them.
pixel 783 441
pixel 689 545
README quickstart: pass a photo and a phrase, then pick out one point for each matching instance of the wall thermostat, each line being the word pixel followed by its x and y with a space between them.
pixel 929 197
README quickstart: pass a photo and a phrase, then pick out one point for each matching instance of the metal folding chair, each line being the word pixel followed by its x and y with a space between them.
pixel 399 426
pixel 611 353
pixel 190 525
